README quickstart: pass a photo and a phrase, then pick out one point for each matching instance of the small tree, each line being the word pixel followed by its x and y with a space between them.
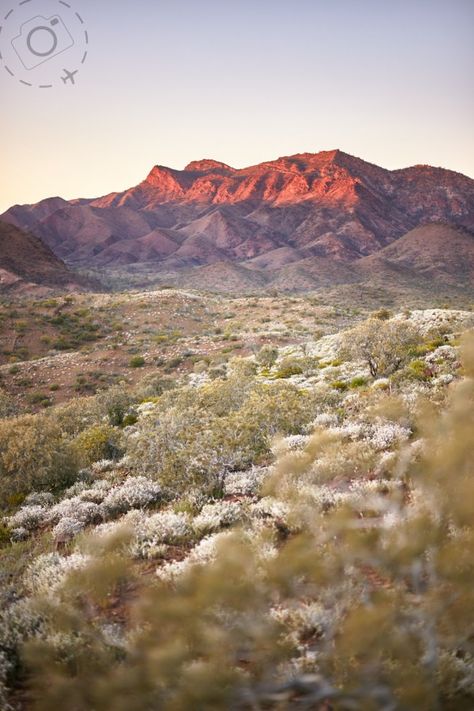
pixel 384 345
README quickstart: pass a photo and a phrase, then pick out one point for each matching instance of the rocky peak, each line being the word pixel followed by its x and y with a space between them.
pixel 207 164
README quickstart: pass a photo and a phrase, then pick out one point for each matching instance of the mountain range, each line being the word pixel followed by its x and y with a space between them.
pixel 298 222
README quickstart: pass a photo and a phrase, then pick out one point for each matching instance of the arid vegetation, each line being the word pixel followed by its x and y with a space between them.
pixel 286 524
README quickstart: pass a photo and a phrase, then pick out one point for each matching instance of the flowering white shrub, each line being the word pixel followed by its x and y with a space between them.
pixel 321 498
pixel 387 434
pixel 197 380
pixel 326 347
pixel 366 493
pixel 77 488
pixel 110 528
pixel 48 572
pixel 298 441
pixel 42 498
pixel 84 511
pixel 205 552
pixel 19 534
pixel 427 320
pixel 270 507
pixel 123 464
pixel 28 517
pixel 217 515
pixel 67 528
pixel 153 532
pixel 245 483
pixel 134 493
pixel 102 466
pixel 351 430
pixel 16 622
pixel 443 379
pixel 324 419
pixel 97 492
pixel 114 636
pixel 412 392
pixel 342 459
pixel 446 352
pixel 385 463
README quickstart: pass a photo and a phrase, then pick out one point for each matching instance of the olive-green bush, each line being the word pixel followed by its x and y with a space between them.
pixel 34 455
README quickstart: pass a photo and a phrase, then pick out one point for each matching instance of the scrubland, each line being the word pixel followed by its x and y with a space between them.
pixel 268 506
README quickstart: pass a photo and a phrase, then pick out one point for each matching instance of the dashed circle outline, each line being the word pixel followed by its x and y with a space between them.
pixel 27 83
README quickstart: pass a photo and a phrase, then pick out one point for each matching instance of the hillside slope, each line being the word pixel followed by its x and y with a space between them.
pixel 27 263
pixel 435 251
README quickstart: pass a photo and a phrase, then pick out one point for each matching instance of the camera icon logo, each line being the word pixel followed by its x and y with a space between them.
pixel 41 39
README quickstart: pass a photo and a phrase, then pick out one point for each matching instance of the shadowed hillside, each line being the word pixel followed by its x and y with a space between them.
pixel 26 263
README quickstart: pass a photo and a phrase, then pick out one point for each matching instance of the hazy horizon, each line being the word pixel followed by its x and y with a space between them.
pixel 170 82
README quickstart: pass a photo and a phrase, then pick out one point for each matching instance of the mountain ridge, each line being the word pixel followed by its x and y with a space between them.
pixel 307 206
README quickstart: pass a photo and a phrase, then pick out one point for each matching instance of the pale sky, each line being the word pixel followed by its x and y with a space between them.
pixel 241 81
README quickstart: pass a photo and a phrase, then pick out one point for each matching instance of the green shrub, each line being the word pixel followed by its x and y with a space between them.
pixel 419 350
pixel 290 366
pixel 96 443
pixel 39 399
pixel 339 385
pixel 34 454
pixel 130 419
pixel 78 414
pixel 4 535
pixel 85 386
pixel 436 343
pixel 136 362
pixel 283 373
pixel 15 500
pixel 418 370
pixel 358 382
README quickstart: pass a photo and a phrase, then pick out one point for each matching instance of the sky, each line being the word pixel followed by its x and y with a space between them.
pixel 241 81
